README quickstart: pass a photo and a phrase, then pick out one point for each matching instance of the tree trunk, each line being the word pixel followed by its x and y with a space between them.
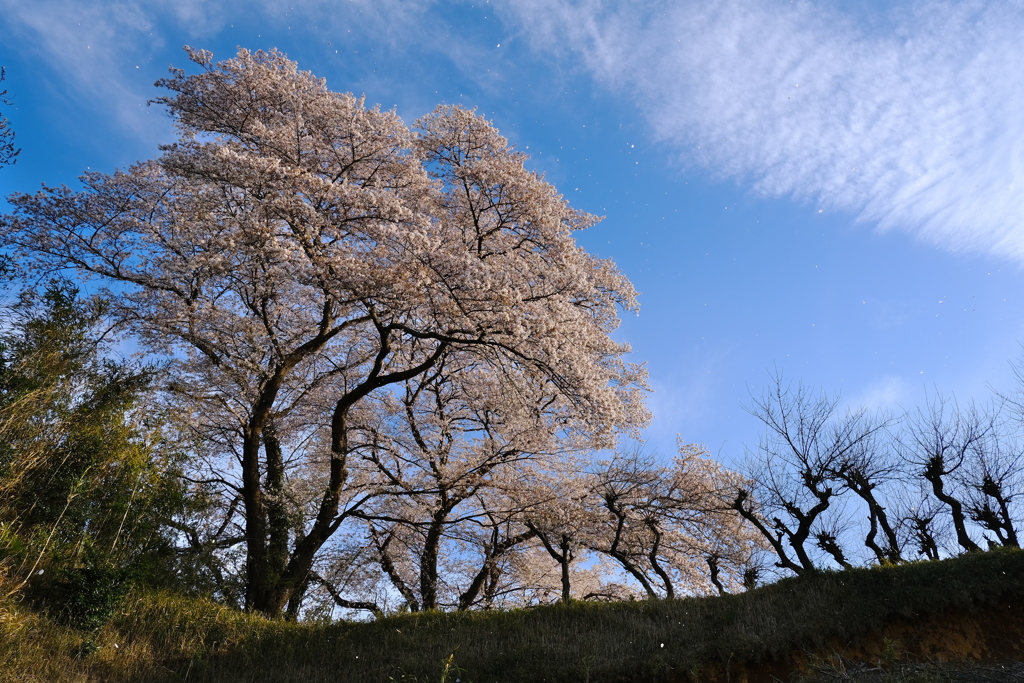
pixel 388 565
pixel 998 522
pixel 562 555
pixel 877 516
pixel 277 513
pixel 428 561
pixel 933 472
pixel 666 580
pixel 564 546
pixel 487 578
pixel 774 540
pixel 256 578
pixel 614 550
pixel 714 569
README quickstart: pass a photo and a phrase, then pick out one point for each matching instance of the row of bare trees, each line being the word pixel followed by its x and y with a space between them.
pixel 830 487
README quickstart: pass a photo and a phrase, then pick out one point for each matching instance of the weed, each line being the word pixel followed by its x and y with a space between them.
pixel 450 673
pixel 892 653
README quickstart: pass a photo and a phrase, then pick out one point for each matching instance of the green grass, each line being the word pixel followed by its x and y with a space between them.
pixel 162 637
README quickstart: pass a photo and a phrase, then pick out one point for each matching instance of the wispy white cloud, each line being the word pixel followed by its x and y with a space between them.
pixel 909 120
pixel 98 52
pixel 91 47
pixel 886 393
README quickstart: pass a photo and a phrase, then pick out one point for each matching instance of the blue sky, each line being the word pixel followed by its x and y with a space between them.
pixel 831 189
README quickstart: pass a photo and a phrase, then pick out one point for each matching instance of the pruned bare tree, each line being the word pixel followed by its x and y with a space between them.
pixel 937 443
pixel 810 455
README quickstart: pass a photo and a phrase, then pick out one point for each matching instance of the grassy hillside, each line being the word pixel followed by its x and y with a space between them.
pixel 871 621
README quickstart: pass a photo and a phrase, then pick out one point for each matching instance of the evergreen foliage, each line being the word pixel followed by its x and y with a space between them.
pixel 84 484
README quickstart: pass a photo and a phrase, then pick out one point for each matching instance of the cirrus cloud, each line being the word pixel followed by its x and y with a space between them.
pixel 908 120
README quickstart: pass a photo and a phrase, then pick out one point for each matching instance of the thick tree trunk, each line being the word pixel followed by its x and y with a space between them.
pixel 428 561
pixel 277 513
pixel 268 597
pixel 265 589
pixel 256 578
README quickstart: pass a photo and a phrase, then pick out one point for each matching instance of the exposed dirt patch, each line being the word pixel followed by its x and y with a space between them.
pixel 981 642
